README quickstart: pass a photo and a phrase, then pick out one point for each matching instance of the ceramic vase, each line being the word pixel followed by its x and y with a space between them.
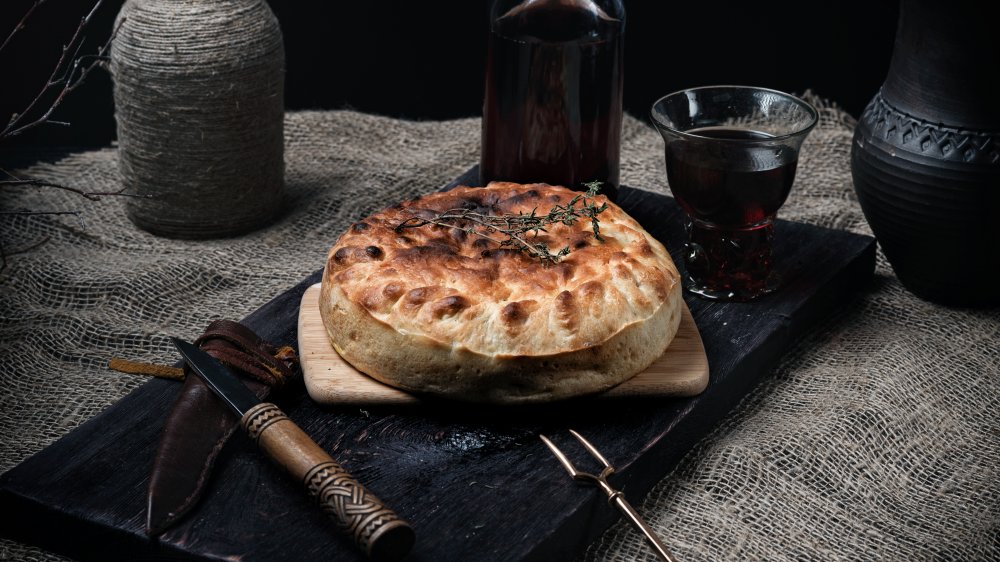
pixel 926 154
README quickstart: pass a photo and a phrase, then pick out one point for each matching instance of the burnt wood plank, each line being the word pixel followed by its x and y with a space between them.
pixel 475 483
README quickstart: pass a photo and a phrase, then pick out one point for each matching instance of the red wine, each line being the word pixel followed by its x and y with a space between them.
pixel 731 192
pixel 553 103
pixel 730 184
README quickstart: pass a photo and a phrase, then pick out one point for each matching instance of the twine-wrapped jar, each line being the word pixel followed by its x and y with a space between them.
pixel 199 101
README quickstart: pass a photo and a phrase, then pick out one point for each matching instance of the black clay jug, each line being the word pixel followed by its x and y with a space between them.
pixel 926 154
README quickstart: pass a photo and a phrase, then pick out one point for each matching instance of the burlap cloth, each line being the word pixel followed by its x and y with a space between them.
pixel 877 437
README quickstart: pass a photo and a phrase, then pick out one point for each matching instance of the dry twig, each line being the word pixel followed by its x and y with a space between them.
pixel 68 74
pixel 71 70
pixel 90 195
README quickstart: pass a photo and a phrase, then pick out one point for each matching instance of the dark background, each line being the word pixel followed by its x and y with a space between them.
pixel 425 60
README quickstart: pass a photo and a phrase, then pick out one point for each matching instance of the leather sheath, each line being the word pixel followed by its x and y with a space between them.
pixel 199 424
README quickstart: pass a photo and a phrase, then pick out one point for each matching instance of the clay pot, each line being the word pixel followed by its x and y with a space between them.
pixel 926 154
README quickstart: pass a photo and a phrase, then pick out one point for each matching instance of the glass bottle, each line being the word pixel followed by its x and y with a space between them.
pixel 553 101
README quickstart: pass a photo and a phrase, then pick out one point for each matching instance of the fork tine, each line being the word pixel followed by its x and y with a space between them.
pixel 591 449
pixel 615 497
pixel 563 460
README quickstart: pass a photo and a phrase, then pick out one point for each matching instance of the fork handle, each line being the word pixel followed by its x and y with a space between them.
pixel 618 499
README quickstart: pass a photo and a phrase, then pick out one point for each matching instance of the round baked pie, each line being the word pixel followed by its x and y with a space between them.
pixel 444 311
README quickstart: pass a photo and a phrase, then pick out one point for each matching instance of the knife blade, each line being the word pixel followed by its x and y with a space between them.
pixel 376 529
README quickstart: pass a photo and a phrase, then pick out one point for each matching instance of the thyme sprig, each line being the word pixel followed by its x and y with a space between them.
pixel 520 231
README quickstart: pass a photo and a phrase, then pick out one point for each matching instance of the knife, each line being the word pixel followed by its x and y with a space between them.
pixel 199 424
pixel 376 529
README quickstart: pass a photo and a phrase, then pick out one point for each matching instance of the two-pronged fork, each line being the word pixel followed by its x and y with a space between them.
pixel 615 497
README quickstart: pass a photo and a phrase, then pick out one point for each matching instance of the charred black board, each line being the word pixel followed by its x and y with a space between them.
pixel 475 483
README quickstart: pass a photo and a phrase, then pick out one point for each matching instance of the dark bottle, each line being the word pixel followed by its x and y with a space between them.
pixel 553 105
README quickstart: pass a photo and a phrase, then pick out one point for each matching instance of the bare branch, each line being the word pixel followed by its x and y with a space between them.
pixel 62 74
pixel 20 24
pixel 91 195
pixel 71 70
pixel 36 213
pixel 4 254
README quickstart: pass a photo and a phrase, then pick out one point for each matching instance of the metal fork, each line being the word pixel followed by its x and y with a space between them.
pixel 615 497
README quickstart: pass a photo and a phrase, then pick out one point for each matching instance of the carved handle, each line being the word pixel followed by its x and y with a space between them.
pixel 376 529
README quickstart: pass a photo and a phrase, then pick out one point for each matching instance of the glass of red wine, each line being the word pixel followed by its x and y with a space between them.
pixel 731 153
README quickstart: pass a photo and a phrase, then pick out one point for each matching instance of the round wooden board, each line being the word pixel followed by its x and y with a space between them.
pixel 681 371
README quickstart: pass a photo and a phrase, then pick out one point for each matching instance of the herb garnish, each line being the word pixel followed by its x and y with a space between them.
pixel 516 229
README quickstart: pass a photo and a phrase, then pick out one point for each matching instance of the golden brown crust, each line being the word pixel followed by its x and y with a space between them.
pixel 438 310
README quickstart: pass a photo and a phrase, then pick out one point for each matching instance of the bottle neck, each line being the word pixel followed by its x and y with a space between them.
pixel 558 21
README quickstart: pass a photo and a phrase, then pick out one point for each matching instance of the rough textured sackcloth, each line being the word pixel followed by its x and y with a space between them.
pixel 876 438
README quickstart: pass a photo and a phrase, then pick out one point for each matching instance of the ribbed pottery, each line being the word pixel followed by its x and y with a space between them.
pixel 926 154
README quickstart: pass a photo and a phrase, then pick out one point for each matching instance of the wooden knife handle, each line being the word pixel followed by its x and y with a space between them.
pixel 376 529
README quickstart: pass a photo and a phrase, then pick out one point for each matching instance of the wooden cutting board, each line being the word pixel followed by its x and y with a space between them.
pixel 681 371
pixel 475 483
